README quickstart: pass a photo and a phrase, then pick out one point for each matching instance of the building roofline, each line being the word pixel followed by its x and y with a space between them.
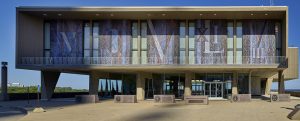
pixel 152 8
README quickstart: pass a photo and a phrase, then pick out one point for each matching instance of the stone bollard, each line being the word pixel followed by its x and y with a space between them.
pixel 4 96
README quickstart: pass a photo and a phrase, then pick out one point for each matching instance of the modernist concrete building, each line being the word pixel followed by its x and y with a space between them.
pixel 213 51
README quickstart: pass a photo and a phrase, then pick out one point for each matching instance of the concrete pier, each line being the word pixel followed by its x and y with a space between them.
pixel 4 96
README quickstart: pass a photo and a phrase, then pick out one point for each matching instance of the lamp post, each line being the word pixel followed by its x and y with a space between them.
pixel 4 96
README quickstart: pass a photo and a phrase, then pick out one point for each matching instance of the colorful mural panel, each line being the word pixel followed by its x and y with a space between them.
pixel 163 41
pixel 66 38
pixel 258 41
pixel 115 38
pixel 210 41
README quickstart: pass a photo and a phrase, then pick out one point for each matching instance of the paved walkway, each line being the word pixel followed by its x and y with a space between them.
pixel 257 110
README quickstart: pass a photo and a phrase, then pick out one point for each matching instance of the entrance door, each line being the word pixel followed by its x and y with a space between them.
pixel 214 89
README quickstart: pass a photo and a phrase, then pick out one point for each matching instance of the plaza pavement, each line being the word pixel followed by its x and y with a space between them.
pixel 256 110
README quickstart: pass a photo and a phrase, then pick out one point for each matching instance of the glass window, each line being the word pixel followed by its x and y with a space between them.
pixel 239 43
pixel 134 36
pixel 134 57
pixel 191 57
pixel 144 57
pixel 182 35
pixel 278 38
pixel 182 57
pixel 87 31
pixel 47 36
pixel 96 36
pixel 144 43
pixel 230 43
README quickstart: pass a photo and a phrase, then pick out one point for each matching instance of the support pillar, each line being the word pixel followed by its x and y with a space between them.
pixel 188 84
pixel 48 82
pixel 234 83
pixel 140 85
pixel 281 89
pixel 4 96
pixel 268 86
pixel 249 82
pixel 94 81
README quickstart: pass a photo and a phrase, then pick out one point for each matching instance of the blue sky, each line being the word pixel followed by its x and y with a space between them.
pixel 8 18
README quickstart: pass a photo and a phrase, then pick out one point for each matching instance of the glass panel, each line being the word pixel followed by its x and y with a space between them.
pixel 144 57
pixel 144 35
pixel 182 57
pixel 96 36
pixel 47 36
pixel 239 57
pixel 95 53
pixel 191 57
pixel 134 57
pixel 230 35
pixel 192 35
pixel 86 53
pixel 182 34
pixel 278 38
pixel 87 32
pixel 134 36
pixel 47 53
pixel 229 57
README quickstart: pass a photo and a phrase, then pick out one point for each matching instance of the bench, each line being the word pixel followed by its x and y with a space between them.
pixel 125 99
pixel 202 100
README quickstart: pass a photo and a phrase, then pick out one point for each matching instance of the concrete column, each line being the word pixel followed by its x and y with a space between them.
pixel 234 89
pixel 281 89
pixel 4 96
pixel 94 81
pixel 140 85
pixel 188 84
pixel 48 82
pixel 268 86
pixel 249 82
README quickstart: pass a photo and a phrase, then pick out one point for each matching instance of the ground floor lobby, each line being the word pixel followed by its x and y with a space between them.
pixel 146 85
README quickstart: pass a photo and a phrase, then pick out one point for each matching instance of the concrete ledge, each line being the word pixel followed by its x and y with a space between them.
pixel 125 99
pixel 241 98
pixel 164 98
pixel 202 100
pixel 86 98
pixel 280 97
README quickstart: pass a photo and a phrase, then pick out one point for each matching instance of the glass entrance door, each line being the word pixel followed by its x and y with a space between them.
pixel 214 89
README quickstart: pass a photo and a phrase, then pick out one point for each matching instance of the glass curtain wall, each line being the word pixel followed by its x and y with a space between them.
pixel 165 84
pixel 124 84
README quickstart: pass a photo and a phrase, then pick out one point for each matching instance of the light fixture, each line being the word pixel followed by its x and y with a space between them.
pixel 266 14
pixel 200 14
pixel 44 14
pixel 252 14
pixel 97 14
pixel 59 14
pixel 163 14
pixel 215 14
pixel 111 14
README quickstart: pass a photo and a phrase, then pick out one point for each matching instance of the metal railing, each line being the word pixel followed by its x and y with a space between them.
pixel 122 61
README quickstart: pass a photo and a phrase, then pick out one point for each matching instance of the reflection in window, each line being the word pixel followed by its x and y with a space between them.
pixel 134 43
pixel 144 42
pixel 182 43
pixel 239 43
pixel 191 43
pixel 47 40
pixel 230 43
pixel 87 43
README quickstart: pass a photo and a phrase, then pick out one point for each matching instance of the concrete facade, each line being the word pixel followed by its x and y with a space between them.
pixel 255 79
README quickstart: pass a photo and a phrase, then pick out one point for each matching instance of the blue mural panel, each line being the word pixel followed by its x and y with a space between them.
pixel 66 38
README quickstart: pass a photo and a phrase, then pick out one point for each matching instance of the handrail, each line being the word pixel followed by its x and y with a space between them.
pixel 112 61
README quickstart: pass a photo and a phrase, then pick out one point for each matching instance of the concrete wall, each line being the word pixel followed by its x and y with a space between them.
pixel 29 36
pixel 292 72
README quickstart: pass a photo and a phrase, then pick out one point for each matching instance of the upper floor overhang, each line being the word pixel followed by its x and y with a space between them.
pixel 157 12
